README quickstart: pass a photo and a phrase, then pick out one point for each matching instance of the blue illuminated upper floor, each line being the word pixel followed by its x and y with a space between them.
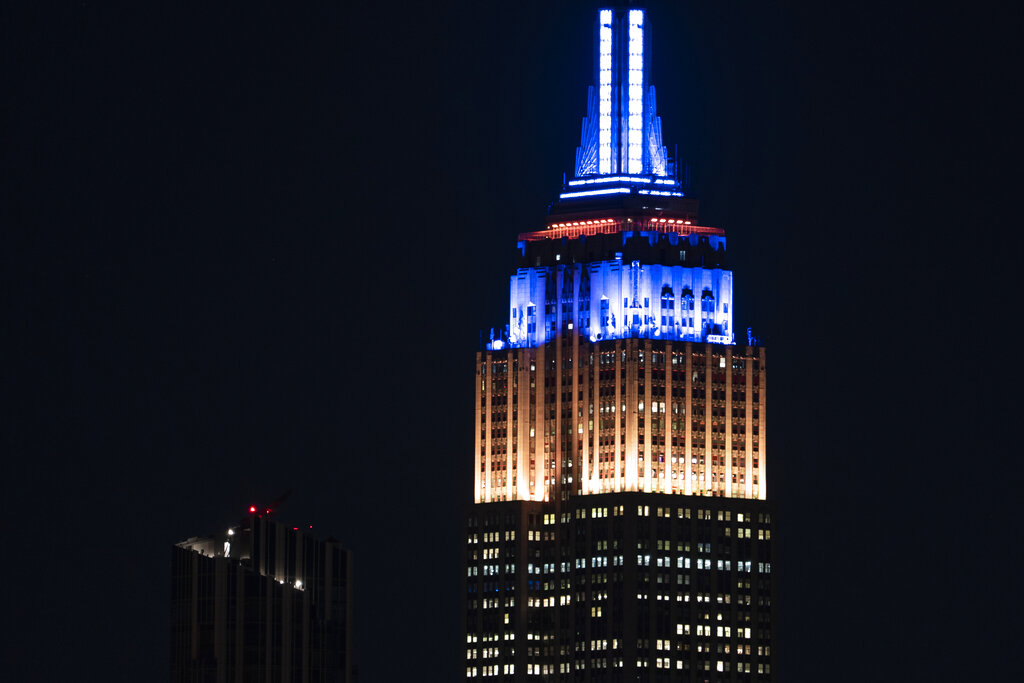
pixel 641 278
pixel 615 300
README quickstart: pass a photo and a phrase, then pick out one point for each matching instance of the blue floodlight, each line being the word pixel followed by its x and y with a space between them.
pixel 613 179
pixel 604 164
pixel 662 193
pixel 591 193
pixel 634 120
pixel 621 301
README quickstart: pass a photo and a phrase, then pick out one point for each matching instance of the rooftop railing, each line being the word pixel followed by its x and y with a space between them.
pixel 607 226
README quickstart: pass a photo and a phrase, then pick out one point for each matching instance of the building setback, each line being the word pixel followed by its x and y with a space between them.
pixel 261 602
pixel 620 529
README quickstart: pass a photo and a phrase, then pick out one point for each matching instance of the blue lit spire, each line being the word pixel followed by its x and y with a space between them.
pixel 621 139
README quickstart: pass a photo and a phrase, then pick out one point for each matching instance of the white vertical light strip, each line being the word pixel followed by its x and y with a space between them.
pixel 748 421
pixel 729 387
pixel 523 428
pixel 688 418
pixel 540 464
pixel 604 162
pixel 585 396
pixel 671 471
pixel 634 120
pixel 477 440
pixel 630 405
pixel 595 433
pixel 647 414
pixel 619 436
pixel 488 444
pixel 509 488
pixel 762 485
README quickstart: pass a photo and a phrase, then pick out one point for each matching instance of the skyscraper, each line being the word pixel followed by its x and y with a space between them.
pixel 620 529
pixel 261 601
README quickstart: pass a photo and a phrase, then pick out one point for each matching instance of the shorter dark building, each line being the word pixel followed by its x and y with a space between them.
pixel 261 601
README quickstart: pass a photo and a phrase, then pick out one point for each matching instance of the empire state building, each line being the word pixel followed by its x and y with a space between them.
pixel 621 528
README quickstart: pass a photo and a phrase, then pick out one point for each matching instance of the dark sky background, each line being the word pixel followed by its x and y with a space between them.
pixel 252 248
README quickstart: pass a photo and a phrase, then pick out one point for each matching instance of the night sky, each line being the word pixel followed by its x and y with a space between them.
pixel 252 249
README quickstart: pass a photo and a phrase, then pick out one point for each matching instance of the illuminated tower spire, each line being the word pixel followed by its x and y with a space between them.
pixel 622 131
pixel 618 413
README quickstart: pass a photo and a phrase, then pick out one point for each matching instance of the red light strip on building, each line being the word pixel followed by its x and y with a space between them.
pixel 607 226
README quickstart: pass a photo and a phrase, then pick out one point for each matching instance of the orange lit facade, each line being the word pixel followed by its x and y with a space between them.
pixel 577 417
